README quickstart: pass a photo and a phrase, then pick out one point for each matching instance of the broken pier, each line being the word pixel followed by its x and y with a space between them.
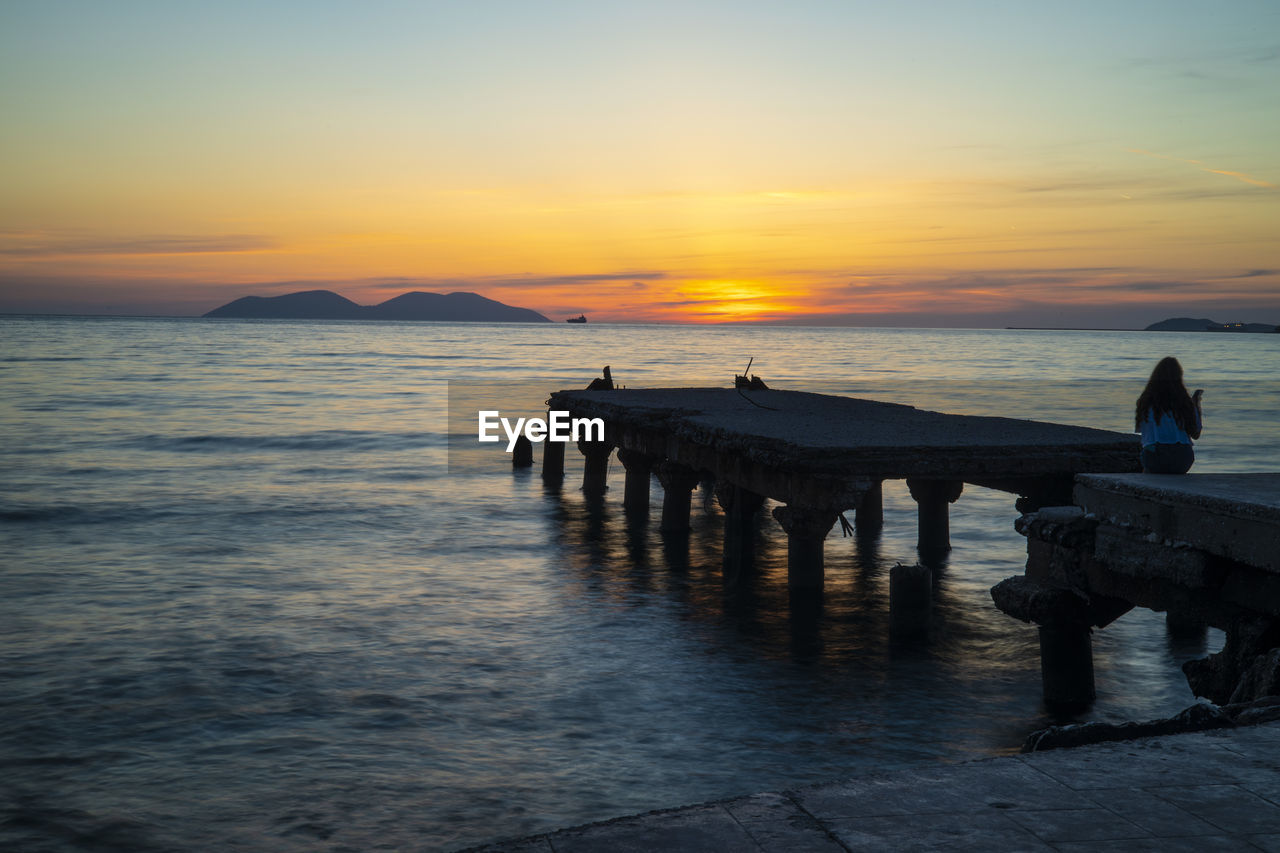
pixel 819 455
pixel 1202 548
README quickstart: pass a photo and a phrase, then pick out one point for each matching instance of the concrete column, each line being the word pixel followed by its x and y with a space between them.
pixel 868 517
pixel 1065 617
pixel 552 461
pixel 1182 624
pixel 595 471
pixel 807 528
pixel 910 600
pixel 522 453
pixel 932 498
pixel 740 508
pixel 1066 665
pixel 639 467
pixel 678 482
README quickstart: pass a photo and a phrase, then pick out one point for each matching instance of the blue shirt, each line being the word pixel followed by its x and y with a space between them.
pixel 1163 429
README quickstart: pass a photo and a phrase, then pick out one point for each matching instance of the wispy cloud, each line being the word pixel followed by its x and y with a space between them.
pixel 634 278
pixel 26 245
pixel 1239 176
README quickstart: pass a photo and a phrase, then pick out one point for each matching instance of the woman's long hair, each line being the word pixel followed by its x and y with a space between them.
pixel 1165 394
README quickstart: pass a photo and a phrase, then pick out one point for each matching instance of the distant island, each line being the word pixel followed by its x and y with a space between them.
pixel 1187 324
pixel 418 305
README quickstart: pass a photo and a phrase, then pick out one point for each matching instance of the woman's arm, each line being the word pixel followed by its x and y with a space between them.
pixel 1195 400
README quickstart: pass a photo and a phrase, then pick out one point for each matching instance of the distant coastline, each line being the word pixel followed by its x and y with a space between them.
pixel 1188 324
pixel 1175 324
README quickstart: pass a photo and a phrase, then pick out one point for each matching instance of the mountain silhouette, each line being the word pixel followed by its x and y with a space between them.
pixel 308 305
pixel 418 305
pixel 462 306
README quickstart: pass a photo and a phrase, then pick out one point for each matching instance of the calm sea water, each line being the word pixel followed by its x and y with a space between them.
pixel 250 600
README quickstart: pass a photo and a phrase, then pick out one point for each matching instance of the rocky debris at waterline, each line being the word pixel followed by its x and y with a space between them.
pixel 1247 668
pixel 1197 718
pixel 418 305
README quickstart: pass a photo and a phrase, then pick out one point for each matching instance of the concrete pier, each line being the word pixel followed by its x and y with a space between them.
pixel 821 455
pixel 1200 547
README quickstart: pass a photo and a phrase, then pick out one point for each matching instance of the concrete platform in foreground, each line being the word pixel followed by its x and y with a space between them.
pixel 1217 790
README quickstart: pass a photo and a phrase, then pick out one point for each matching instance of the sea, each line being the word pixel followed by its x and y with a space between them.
pixel 261 589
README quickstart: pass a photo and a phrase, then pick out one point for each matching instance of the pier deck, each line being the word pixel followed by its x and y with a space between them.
pixel 821 455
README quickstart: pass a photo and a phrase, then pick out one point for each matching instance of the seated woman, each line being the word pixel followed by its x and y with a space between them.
pixel 1168 418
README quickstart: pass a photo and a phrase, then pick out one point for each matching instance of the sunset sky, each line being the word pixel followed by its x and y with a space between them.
pixel 1105 164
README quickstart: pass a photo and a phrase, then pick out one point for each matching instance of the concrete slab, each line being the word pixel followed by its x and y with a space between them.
pixel 1215 790
pixel 1236 516
pixel 1154 815
pixel 1231 808
pixel 1198 844
pixel 1097 824
pixel 830 435
pixel 997 784
pixel 706 829
pixel 1266 842
pixel 948 831
pixel 1244 494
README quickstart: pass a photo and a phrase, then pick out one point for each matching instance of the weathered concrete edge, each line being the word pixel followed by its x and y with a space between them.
pixel 1259 712
pixel 976 461
pixel 1120 484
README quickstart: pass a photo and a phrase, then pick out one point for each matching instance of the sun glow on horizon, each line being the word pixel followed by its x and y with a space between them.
pixel 749 164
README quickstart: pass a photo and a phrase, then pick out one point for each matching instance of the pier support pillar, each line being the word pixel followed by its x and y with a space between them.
pixel 1065 617
pixel 868 517
pixel 740 508
pixel 639 467
pixel 678 482
pixel 1066 664
pixel 932 498
pixel 595 471
pixel 910 600
pixel 553 462
pixel 522 454
pixel 1185 625
pixel 807 529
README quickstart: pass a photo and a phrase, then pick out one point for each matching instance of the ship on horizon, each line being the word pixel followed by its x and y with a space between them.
pixel 581 318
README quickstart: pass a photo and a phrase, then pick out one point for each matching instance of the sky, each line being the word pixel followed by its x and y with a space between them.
pixel 980 164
